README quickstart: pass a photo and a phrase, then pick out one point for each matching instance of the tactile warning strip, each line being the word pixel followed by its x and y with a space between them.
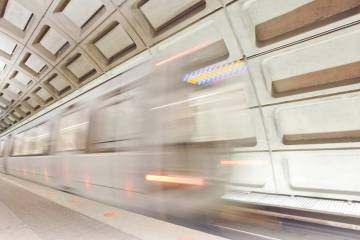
pixel 50 221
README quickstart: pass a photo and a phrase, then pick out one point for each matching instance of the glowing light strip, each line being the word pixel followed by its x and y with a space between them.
pixel 176 179
pixel 243 162
pixel 184 53
pixel 184 101
pixel 215 73
pixel 73 126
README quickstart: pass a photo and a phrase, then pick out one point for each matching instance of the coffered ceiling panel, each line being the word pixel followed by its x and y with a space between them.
pixel 51 42
pixel 12 90
pixel 33 64
pixel 50 48
pixel 9 48
pixel 156 19
pixel 153 11
pixel 80 17
pixel 17 15
pixel 7 45
pixel 17 114
pixel 20 17
pixel 3 67
pixel 24 111
pixel 106 44
pixel 3 104
pixel 31 102
pixel 42 95
pixel 5 122
pixel 6 99
pixel 14 117
pixel 113 42
pixel 19 78
pixel 58 84
pixel 10 119
pixel 79 67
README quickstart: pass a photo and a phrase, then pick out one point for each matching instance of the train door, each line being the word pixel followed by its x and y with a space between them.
pixel 118 147
pixel 70 144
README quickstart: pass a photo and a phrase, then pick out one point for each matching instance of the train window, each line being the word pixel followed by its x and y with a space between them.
pixel 117 124
pixel 17 144
pixel 73 128
pixel 34 141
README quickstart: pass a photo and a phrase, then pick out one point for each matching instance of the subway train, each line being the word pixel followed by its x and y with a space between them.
pixel 218 100
pixel 137 141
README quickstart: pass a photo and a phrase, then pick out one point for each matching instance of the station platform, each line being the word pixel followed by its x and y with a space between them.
pixel 29 211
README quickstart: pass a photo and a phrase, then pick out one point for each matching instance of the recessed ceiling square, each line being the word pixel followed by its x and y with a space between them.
pixel 7 44
pixel 7 98
pixel 17 14
pixel 18 115
pixel 22 78
pixel 11 118
pixel 2 105
pixel 24 109
pixel 80 11
pixel 14 89
pixel 53 41
pixel 114 42
pixel 58 83
pixel 35 63
pixel 80 67
pixel 32 102
pixel 161 12
pixel 2 66
pixel 43 94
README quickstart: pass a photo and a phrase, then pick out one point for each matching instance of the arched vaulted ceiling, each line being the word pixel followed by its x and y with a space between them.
pixel 49 48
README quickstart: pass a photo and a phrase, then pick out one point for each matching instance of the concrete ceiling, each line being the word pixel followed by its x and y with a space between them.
pixel 49 48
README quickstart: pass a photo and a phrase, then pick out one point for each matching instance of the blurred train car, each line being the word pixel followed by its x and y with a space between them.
pixel 152 138
pixel 148 140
